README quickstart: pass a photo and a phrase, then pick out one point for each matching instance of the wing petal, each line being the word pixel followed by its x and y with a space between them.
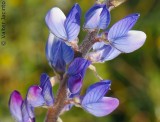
pixel 104 18
pixel 55 19
pixel 120 28
pixel 102 107
pixel 72 23
pixel 96 92
pixel 46 86
pixel 15 103
pixel 34 96
pixel 131 42
pixel 92 17
pixel 58 53
pixel 103 53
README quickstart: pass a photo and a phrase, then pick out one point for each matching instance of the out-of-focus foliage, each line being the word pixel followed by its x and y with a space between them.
pixel 135 77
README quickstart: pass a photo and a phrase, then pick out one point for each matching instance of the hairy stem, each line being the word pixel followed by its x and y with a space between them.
pixel 54 111
pixel 87 43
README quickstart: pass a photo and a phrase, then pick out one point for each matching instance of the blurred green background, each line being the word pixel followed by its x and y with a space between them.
pixel 135 76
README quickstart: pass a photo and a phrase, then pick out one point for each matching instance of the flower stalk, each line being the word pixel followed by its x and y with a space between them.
pixel 54 111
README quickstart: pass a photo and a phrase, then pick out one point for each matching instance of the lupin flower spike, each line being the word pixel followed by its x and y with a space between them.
pixel 71 61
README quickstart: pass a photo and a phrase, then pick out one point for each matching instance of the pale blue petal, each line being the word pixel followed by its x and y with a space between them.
pixel 104 53
pixel 97 17
pixel 46 86
pixel 132 41
pixel 110 53
pixel 104 18
pixel 15 103
pixel 121 28
pixel 92 17
pixel 49 46
pixel 34 96
pixel 55 19
pixel 27 111
pixel 98 45
pixel 30 111
pixel 72 23
pixel 102 107
pixel 96 92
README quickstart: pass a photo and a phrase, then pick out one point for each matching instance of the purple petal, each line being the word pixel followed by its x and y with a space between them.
pixel 27 112
pixel 78 66
pixel 92 17
pixel 96 92
pixel 104 18
pixel 58 53
pixel 77 94
pixel 68 53
pixel 72 23
pixel 46 86
pixel 103 53
pixel 15 103
pixel 102 107
pixel 121 28
pixel 55 19
pixel 76 72
pixel 30 111
pixel 34 96
pixel 75 83
pixel 132 41
pixel 98 45
pixel 97 17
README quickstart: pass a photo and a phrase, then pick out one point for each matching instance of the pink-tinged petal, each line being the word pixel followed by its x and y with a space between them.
pixel 15 103
pixel 72 23
pixel 55 19
pixel 96 92
pixel 120 28
pixel 34 96
pixel 132 41
pixel 102 107
pixel 46 86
